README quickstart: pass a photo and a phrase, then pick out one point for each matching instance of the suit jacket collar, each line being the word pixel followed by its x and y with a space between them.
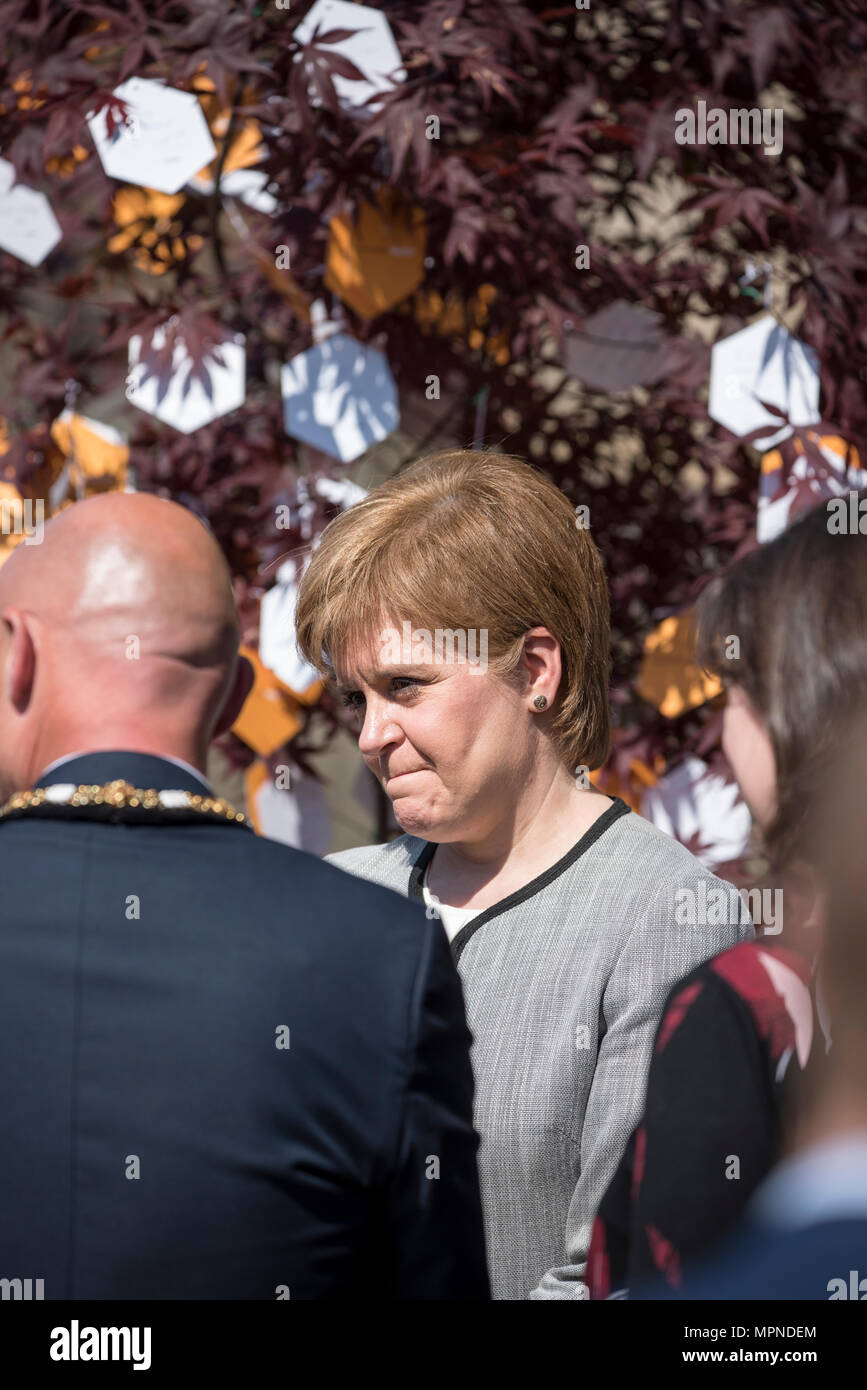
pixel 141 769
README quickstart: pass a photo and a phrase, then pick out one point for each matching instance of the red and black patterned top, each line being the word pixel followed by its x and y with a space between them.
pixel 729 1063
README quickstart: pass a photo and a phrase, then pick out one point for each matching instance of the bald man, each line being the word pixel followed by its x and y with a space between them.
pixel 227 1069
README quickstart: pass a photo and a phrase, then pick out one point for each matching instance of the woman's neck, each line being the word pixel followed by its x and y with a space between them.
pixel 481 872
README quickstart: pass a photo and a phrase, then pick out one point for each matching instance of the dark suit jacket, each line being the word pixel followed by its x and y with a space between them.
pixel 156 1142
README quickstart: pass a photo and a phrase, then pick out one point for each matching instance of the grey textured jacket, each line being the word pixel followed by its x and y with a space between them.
pixel 564 982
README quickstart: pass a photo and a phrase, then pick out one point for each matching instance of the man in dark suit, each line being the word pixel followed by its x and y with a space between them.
pixel 228 1070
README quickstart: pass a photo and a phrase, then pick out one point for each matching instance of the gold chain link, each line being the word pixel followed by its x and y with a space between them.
pixel 119 794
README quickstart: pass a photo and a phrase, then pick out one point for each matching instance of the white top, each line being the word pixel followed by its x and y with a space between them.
pixel 452 918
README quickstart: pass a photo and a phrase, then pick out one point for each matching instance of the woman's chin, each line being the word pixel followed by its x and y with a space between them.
pixel 415 818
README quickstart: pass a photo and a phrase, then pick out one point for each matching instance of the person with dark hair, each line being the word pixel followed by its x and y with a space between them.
pixel 743 1038
pixel 804 1233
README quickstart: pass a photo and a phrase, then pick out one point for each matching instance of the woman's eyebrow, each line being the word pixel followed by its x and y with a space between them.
pixel 383 673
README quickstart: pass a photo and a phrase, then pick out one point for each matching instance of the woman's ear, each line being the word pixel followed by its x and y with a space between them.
pixel 241 686
pixel 541 664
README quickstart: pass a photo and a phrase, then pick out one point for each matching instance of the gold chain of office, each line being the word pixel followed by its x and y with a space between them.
pixel 120 800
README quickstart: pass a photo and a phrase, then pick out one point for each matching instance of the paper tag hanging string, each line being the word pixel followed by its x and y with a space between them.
pixel 751 273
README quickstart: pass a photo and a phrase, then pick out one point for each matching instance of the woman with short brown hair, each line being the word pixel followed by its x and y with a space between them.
pixel 462 611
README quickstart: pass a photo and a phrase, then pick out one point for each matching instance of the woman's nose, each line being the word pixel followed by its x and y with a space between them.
pixel 379 730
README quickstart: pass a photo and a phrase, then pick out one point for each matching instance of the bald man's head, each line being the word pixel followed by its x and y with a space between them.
pixel 119 630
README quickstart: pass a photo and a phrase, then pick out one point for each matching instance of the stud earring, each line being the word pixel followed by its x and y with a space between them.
pixel 540 701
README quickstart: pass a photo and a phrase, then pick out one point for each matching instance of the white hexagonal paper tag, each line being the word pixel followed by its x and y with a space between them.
pixel 764 362
pixel 371 47
pixel 699 808
pixel 28 227
pixel 339 396
pixel 182 400
pixel 165 141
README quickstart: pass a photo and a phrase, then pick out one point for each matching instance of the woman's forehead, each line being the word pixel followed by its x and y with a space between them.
pixel 358 651
pixel 398 647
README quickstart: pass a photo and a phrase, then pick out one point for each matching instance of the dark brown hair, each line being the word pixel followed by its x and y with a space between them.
pixel 841 816
pixel 798 609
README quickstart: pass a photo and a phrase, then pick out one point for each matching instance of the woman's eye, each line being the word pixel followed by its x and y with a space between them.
pixel 400 685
